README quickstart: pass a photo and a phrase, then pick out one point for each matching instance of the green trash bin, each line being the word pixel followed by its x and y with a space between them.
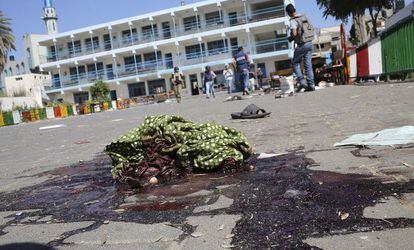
pixel 42 114
pixel 70 110
pixel 8 118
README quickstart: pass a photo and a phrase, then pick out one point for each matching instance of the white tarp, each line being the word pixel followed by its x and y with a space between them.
pixel 387 137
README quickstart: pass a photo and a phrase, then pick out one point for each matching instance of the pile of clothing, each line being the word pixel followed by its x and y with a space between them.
pixel 167 147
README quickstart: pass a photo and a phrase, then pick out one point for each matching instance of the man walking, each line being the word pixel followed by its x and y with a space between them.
pixel 303 33
pixel 241 62
pixel 177 79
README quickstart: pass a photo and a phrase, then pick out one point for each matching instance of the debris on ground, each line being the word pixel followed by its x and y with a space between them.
pixel 234 98
pixel 251 112
pixel 387 137
pixel 53 127
pixel 166 147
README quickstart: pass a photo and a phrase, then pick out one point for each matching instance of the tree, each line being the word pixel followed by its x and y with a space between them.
pixel 6 40
pixel 100 91
pixel 343 10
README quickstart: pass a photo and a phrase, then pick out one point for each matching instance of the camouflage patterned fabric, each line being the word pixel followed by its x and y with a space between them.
pixel 166 145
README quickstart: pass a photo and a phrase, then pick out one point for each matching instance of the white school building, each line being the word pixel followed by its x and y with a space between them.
pixel 136 55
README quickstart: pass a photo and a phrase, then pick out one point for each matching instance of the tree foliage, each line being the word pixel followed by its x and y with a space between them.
pixel 100 91
pixel 343 10
pixel 6 40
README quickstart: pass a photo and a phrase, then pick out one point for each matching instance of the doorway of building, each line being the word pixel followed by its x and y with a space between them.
pixel 195 87
pixel 113 95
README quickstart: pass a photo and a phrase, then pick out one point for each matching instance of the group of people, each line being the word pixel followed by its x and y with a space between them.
pixel 302 33
pixel 241 66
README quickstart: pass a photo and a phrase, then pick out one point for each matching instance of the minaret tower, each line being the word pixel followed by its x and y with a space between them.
pixel 50 18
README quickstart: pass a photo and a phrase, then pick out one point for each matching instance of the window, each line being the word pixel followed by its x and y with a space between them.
pixel 233 18
pixel 150 61
pixel 92 44
pixel 81 97
pixel 74 49
pixel 282 65
pixel 128 37
pixel 169 61
pixel 190 23
pixel 166 30
pixel 214 18
pixel 156 86
pixel 91 70
pixel 147 32
pixel 136 89
pixel 216 47
pixel 107 41
pixel 74 73
pixel 130 62
pixel 194 51
pixel 109 71
pixel 234 45
pixel 56 81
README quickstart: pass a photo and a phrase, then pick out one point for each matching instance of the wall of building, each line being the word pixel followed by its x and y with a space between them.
pixel 30 84
pixel 9 103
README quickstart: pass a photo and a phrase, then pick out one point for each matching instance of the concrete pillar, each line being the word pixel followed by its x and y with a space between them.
pixel 111 37
pixel 146 88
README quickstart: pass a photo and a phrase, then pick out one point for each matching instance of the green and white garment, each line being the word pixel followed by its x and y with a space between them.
pixel 201 146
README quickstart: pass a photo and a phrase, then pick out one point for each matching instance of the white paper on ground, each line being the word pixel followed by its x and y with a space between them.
pixel 265 156
pixel 387 137
pixel 53 127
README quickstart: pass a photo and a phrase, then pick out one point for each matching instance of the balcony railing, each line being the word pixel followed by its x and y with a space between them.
pixel 135 39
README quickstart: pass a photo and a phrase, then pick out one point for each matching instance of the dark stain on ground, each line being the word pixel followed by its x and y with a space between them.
pixel 282 202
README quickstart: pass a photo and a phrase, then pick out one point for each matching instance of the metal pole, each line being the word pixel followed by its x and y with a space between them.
pixel 174 24
pixel 93 46
pixel 202 52
pixel 56 51
pixel 178 54
pixel 224 43
pixel 110 37
pixel 197 21
pixel 132 36
pixel 156 58
pixel 60 77
pixel 73 47
pixel 153 31
pixel 245 11
pixel 220 14
pixel 135 61
pixel 77 73
pixel 115 67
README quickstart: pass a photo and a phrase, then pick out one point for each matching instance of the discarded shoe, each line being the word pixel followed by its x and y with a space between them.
pixel 251 112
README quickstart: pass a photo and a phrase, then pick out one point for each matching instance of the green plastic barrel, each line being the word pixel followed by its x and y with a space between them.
pixel 8 118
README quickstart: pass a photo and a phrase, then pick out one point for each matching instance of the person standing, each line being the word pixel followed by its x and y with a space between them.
pixel 229 76
pixel 177 79
pixel 259 75
pixel 303 33
pixel 252 77
pixel 209 77
pixel 241 62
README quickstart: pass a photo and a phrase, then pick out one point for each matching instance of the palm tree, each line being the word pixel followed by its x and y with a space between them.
pixel 6 40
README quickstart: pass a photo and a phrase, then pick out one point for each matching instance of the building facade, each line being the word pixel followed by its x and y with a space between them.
pixel 28 85
pixel 136 56
pixel 29 64
pixel 327 45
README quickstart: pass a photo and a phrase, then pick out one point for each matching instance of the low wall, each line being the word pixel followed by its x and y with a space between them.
pixel 7 103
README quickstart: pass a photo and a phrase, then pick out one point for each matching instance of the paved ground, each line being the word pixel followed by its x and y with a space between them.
pixel 309 122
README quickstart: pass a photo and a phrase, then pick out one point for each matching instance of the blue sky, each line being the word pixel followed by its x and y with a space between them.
pixel 26 14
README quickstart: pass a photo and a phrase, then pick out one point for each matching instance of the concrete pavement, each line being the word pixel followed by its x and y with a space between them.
pixel 309 122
